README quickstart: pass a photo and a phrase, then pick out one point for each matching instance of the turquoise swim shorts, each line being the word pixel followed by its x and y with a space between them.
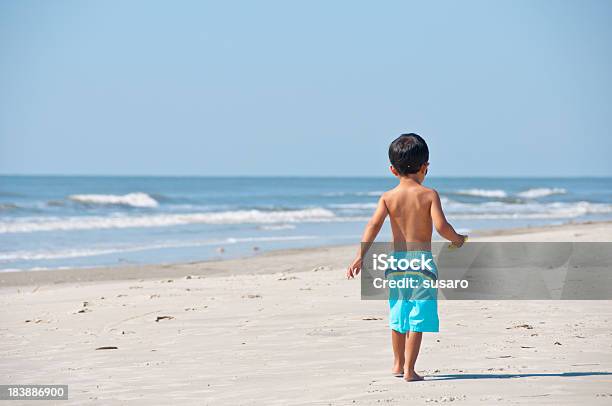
pixel 414 308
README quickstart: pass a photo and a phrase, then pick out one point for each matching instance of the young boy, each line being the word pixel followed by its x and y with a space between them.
pixel 412 209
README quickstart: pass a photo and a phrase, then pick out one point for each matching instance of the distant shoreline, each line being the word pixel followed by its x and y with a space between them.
pixel 382 176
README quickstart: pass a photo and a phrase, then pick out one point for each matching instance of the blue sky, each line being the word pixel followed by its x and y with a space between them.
pixel 508 88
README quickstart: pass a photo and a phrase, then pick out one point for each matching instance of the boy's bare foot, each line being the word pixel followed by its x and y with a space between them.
pixel 412 376
pixel 398 369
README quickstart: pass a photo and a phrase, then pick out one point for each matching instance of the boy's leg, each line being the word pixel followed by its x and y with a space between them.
pixel 413 345
pixel 398 341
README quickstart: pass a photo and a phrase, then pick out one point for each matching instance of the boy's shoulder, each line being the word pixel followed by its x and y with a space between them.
pixel 418 190
pixel 430 192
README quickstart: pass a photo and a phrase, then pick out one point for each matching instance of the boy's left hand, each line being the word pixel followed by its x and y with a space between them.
pixel 354 268
pixel 459 243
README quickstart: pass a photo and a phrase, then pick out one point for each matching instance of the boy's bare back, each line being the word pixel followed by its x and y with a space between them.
pixel 409 208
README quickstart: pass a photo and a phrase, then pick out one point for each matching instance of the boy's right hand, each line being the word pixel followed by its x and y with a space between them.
pixel 354 268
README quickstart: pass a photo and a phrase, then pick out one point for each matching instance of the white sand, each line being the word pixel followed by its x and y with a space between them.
pixel 287 328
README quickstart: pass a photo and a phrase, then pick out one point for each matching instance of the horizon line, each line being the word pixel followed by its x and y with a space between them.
pixel 60 175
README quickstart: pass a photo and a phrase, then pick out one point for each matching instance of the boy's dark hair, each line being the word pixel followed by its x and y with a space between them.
pixel 407 153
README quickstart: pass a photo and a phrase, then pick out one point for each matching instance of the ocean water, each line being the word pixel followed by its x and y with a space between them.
pixel 59 222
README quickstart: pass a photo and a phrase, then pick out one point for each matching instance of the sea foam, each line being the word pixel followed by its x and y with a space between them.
pixel 34 224
pixel 137 199
pixel 541 192
pixel 496 193
pixel 499 211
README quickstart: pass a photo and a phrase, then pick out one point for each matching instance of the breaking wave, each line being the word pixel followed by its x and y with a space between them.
pixel 541 192
pixel 496 193
pixel 137 199
pixel 376 193
pixel 354 206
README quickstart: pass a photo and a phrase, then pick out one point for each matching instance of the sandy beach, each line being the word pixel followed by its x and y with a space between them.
pixel 285 327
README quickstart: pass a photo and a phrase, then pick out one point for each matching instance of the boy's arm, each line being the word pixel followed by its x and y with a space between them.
pixel 368 237
pixel 442 225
